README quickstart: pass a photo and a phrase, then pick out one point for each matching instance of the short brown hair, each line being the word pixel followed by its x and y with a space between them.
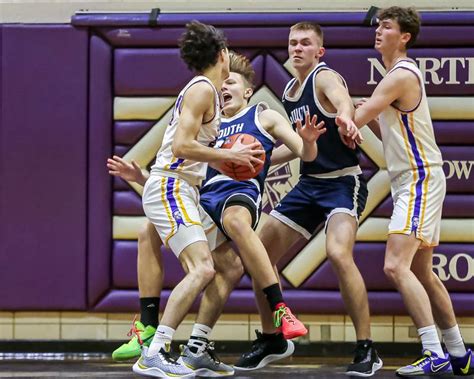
pixel 240 64
pixel 308 25
pixel 407 18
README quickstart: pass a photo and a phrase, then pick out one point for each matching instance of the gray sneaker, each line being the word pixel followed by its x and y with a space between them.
pixel 204 362
pixel 161 365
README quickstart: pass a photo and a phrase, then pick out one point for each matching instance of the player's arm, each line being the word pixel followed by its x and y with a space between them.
pixel 195 106
pixel 130 172
pixel 390 89
pixel 301 144
pixel 281 155
pixel 332 87
pixel 374 124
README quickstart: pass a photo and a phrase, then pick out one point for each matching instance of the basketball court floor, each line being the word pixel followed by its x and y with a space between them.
pixel 296 367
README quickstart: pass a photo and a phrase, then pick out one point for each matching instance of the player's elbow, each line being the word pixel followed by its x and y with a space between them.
pixel 178 149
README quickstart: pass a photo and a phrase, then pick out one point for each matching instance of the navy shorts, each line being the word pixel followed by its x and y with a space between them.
pixel 218 196
pixel 314 200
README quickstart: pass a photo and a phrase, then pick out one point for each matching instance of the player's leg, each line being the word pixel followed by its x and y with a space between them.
pixel 175 215
pixel 343 200
pixel 422 267
pixel 399 256
pixel 270 345
pixel 238 222
pixel 198 353
pixel 340 239
pixel 150 283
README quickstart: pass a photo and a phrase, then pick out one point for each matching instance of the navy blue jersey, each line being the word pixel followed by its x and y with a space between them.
pixel 246 121
pixel 333 155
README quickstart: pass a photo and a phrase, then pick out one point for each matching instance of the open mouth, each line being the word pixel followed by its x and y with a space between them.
pixel 227 97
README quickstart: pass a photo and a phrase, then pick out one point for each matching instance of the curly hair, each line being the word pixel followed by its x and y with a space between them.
pixel 240 64
pixel 407 18
pixel 200 45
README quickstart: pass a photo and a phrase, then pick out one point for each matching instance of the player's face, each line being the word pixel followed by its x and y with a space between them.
pixel 304 48
pixel 389 38
pixel 235 93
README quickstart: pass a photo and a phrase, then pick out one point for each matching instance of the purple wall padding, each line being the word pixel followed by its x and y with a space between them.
pixel 43 157
pixel 129 132
pixel 454 132
pixel 354 65
pixel 257 19
pixel 57 129
pixel 100 183
pixel 301 301
pixel 157 68
pixel 127 203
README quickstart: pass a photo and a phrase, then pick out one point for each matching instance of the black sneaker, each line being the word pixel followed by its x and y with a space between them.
pixel 265 349
pixel 366 360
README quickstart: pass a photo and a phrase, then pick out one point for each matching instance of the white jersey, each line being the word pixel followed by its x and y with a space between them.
pixel 408 139
pixel 166 163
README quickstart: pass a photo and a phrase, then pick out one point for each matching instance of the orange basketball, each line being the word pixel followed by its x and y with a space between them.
pixel 236 171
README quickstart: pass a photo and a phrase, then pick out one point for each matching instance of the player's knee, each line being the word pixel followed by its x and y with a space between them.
pixel 235 226
pixel 339 256
pixel 203 271
pixel 392 271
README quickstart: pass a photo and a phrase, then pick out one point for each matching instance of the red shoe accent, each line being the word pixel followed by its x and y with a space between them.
pixel 136 331
pixel 288 324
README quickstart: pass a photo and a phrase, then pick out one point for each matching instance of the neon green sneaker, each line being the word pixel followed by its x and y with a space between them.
pixel 132 349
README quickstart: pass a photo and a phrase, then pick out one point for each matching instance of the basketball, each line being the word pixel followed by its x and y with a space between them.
pixel 236 171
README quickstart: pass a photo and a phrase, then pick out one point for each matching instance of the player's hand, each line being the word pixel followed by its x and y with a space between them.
pixel 246 155
pixel 125 170
pixel 349 132
pixel 310 131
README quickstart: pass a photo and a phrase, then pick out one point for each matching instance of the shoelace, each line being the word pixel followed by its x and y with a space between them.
pixel 421 361
pixel 360 353
pixel 136 331
pixel 280 313
pixel 210 350
pixel 167 357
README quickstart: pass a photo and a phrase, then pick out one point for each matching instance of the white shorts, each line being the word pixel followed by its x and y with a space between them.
pixel 418 203
pixel 172 205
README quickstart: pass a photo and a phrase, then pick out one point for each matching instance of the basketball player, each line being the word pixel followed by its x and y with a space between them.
pixel 418 188
pixel 235 208
pixel 170 196
pixel 330 189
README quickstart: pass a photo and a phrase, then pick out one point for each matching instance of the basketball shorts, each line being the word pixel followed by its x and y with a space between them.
pixel 172 205
pixel 418 203
pixel 315 200
pixel 217 196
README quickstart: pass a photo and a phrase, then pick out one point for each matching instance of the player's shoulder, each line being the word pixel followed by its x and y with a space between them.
pixel 268 116
pixel 401 75
pixel 328 77
pixel 202 87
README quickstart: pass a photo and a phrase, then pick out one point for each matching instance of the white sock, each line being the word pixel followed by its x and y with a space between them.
pixel 163 335
pixel 199 337
pixel 453 341
pixel 430 340
pixel 201 330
